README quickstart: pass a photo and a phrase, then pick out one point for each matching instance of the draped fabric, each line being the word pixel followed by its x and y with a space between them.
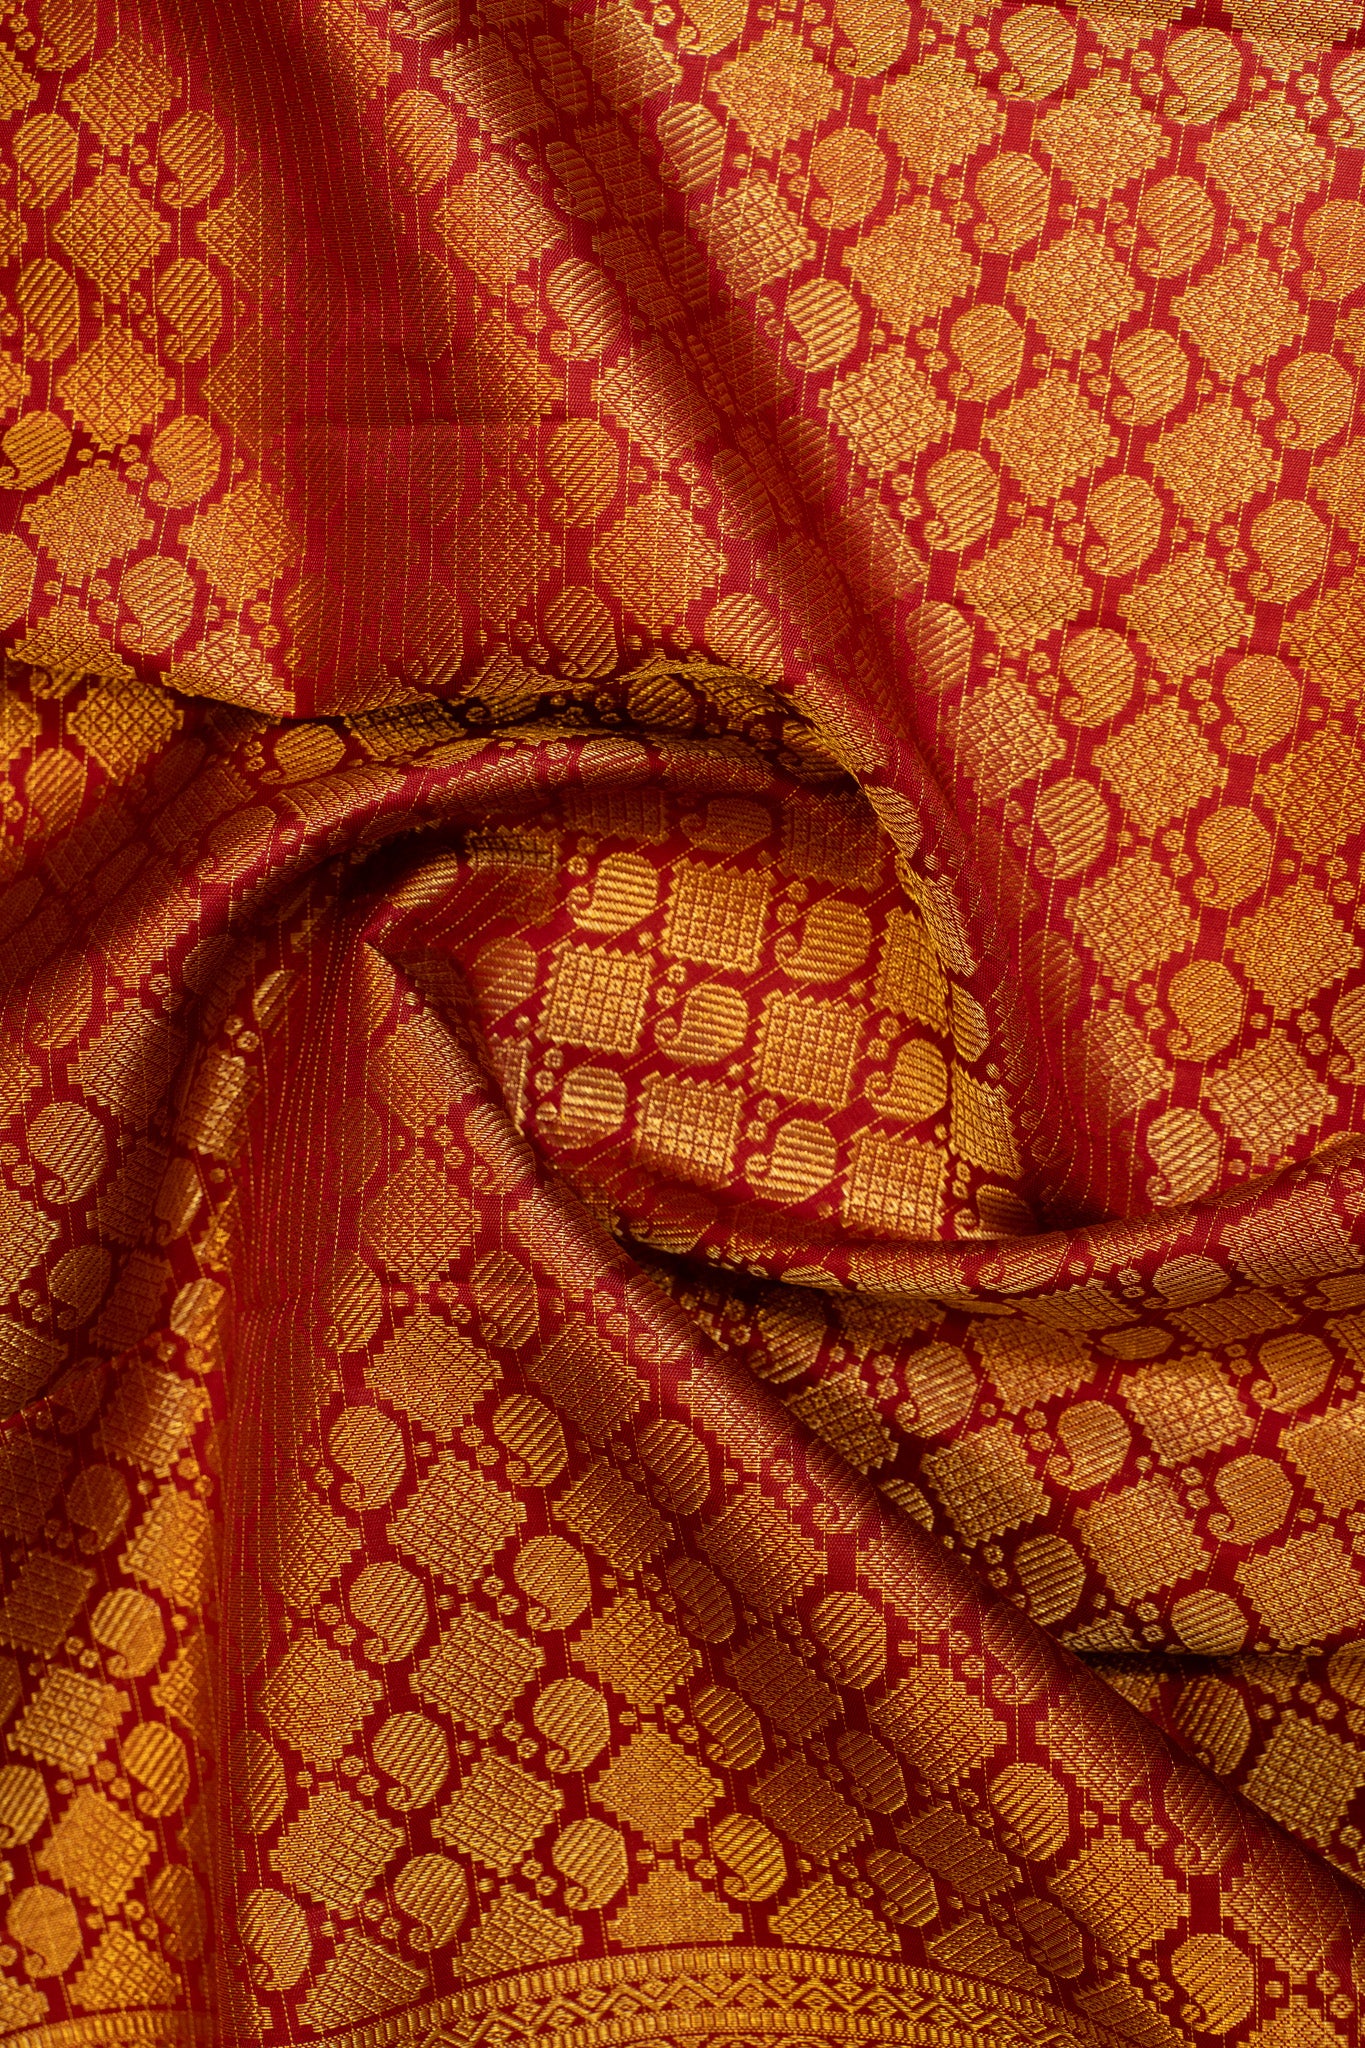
pixel 683 1018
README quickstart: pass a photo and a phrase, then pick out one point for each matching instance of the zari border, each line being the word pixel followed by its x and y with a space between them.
pixel 687 1998
pixel 123 2029
pixel 703 1998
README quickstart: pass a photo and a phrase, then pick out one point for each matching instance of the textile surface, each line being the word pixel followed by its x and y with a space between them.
pixel 683 1019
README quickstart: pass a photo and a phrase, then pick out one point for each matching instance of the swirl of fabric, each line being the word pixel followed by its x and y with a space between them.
pixel 682 1024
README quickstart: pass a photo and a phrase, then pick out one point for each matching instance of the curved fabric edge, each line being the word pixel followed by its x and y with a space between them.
pixel 703 1996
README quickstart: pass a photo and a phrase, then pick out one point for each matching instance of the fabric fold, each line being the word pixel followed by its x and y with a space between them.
pixel 680 1025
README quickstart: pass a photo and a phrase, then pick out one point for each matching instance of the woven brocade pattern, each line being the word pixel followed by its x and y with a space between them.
pixel 682 1020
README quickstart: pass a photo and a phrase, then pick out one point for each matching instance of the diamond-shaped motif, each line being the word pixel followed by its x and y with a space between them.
pixel 305 1545
pixel 1160 764
pixel 1269 1097
pixel 806 1049
pixel 761 1552
pixel 1075 290
pixel 69 1719
pixel 123 723
pixel 361 1982
pixel 316 1700
pixel 1308 1582
pixel 934 1720
pixel 1317 793
pixel 671 1907
pixel 1119 1893
pixel 753 235
pixel 1240 315
pixel 457 1522
pixel 826 1915
pixel 96 1848
pixel 1133 918
pixel 1213 463
pixel 1025 586
pixel 1328 636
pixel 254 387
pixel 121 92
pixel 226 664
pixel 1294 945
pixel 1186 613
pixel 152 1414
pixel 1051 436
pixel 890 411
pixel 242 543
pixel 986 1482
pixel 515 1933
pixel 476 1671
pixel 895 1184
pixel 944 1841
pixel 123 1972
pixel 88 521
pixel 1306 1778
pixel 186 1691
pixel 637 1652
pixel 1142 1539
pixel 1004 738
pixel 776 89
pixel 1101 139
pixel 336 1848
pixel 246 235
pixel 656 557
pixel 111 232
pixel 24 1233
pixel 839 1410
pixel 490 220
pixel 939 114
pixel 497 1814
pixel 782 1686
pixel 432 1372
pixel 657 1787
pixel 615 1517
pixel 1266 162
pixel 911 266
pixel 173 1548
pixel 1330 1453
pixel 115 388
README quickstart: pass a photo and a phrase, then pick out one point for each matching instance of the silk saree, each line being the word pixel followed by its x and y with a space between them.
pixel 683 1023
